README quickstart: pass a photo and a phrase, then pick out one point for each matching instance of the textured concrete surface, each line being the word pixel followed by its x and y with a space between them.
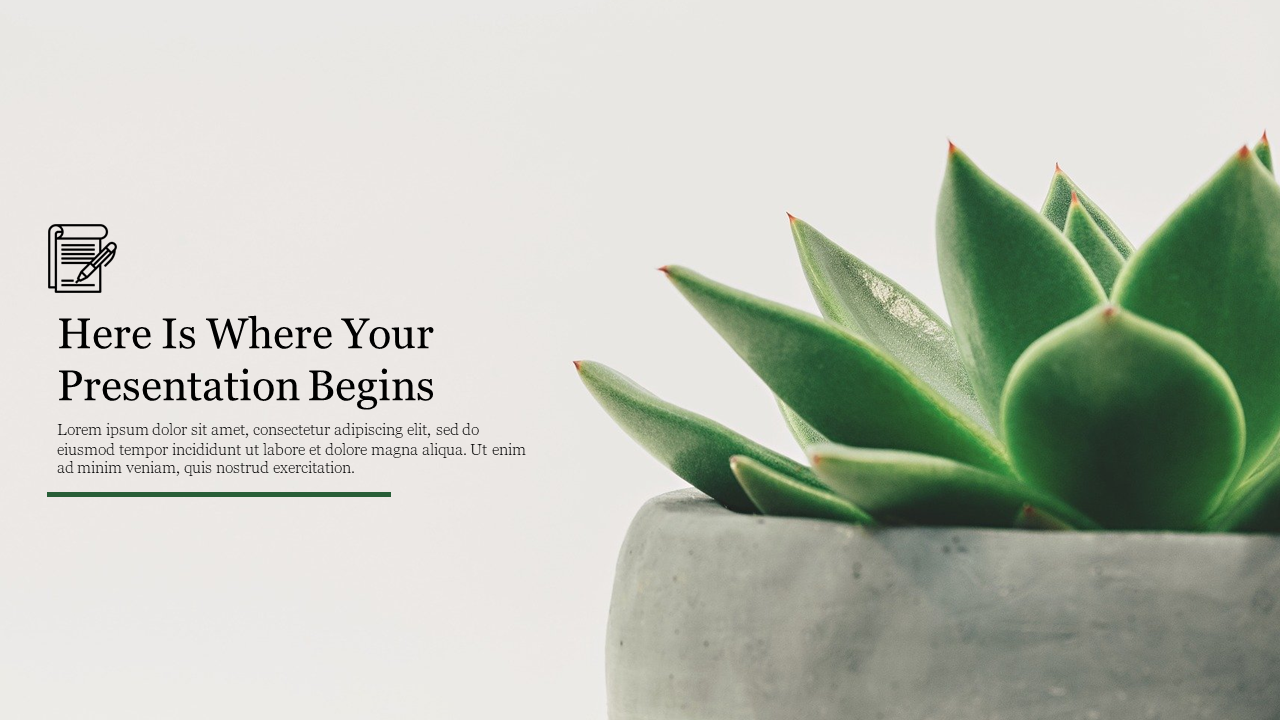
pixel 722 616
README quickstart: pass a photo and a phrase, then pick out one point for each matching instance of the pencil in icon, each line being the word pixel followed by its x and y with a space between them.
pixel 101 260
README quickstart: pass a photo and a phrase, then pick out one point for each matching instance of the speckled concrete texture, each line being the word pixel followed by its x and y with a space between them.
pixel 717 616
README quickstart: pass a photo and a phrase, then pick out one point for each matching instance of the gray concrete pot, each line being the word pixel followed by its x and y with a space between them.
pixel 723 616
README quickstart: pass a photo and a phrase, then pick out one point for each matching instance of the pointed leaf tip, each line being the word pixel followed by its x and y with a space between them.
pixel 1008 275
pixel 1057 206
pixel 665 270
pixel 1209 291
pixel 1031 517
pixel 1075 199
pixel 577 365
pixel 791 218
pixel 1263 151
pixel 1243 153
pixel 1075 395
pixel 951 147
pixel 695 447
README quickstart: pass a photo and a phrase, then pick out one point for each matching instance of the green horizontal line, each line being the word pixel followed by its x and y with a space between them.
pixel 219 494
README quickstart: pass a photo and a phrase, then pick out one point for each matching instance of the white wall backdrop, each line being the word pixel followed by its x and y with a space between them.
pixel 510 173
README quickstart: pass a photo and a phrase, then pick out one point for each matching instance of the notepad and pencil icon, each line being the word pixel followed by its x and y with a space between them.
pixel 77 255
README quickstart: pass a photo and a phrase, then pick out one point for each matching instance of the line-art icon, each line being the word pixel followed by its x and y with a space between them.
pixel 77 256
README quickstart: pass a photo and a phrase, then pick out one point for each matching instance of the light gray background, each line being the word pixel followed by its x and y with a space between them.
pixel 510 173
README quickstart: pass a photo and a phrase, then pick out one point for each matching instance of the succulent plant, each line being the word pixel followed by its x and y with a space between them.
pixel 1082 385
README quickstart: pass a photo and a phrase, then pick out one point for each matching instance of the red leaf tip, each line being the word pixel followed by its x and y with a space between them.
pixel 1265 142
pixel 1110 311
pixel 1057 169
pixel 664 270
pixel 951 147
pixel 791 218
pixel 1075 199
pixel 1244 152
pixel 1028 510
pixel 577 365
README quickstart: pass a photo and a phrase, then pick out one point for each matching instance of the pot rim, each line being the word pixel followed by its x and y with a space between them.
pixel 694 500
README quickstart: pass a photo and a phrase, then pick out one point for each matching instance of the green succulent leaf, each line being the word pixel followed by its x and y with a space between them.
pixel 841 385
pixel 863 301
pixel 1263 151
pixel 1129 422
pixel 1212 272
pixel 1270 463
pixel 1253 508
pixel 1057 205
pixel 1270 460
pixel 802 431
pixel 1008 274
pixel 694 447
pixel 1083 232
pixel 910 488
pixel 778 494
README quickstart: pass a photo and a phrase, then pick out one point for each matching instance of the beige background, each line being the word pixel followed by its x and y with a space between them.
pixel 509 173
